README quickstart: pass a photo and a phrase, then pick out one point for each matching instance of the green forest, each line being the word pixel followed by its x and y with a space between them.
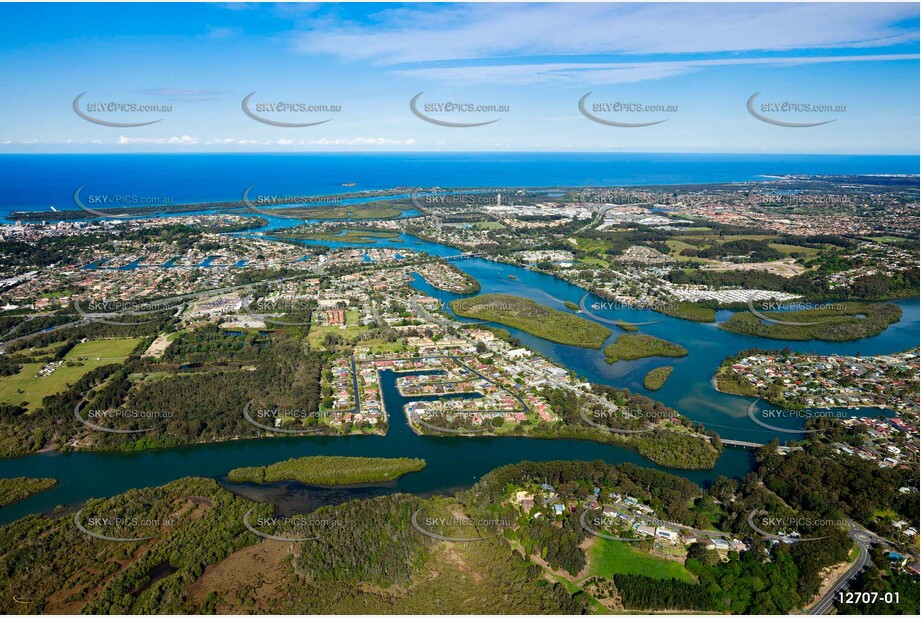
pixel 670 445
pixel 194 554
pixel 636 346
pixel 329 470
pixel 533 318
pixel 846 322
pixel 15 489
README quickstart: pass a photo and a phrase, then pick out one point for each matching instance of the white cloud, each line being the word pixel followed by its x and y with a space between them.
pixel 475 31
pixel 215 32
pixel 615 72
pixel 184 140
pixel 238 6
pixel 181 94
pixel 187 140
pixel 359 141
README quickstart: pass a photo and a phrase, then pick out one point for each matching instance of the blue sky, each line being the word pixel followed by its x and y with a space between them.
pixel 700 61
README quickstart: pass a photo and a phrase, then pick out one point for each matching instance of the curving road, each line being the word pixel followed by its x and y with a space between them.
pixel 864 539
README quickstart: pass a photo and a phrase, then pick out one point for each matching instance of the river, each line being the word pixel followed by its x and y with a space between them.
pixel 456 462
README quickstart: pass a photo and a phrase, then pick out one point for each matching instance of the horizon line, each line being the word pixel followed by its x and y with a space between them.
pixel 491 152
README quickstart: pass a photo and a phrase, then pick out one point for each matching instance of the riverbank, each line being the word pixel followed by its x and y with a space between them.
pixel 20 488
pixel 835 322
pixel 688 390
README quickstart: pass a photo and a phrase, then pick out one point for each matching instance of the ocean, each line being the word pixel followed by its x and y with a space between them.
pixel 38 181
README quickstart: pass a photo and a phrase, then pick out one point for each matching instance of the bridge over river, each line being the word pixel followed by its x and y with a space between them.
pixel 466 256
pixel 744 444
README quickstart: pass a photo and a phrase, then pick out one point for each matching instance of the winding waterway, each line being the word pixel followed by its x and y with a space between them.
pixel 455 462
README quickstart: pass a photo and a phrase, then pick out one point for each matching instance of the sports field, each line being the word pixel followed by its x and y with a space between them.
pixel 607 558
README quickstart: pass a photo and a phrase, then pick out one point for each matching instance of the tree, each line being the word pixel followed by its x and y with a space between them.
pixel 700 552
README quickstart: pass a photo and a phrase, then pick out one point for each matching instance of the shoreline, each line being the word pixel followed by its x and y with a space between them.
pixel 715 383
pixel 607 439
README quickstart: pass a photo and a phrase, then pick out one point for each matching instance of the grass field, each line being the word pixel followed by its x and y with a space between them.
pixel 27 387
pixel 48 349
pixel 350 332
pixel 379 345
pixel 592 261
pixel 593 245
pixel 608 558
pixel 887 239
pixel 317 332
pixel 677 246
